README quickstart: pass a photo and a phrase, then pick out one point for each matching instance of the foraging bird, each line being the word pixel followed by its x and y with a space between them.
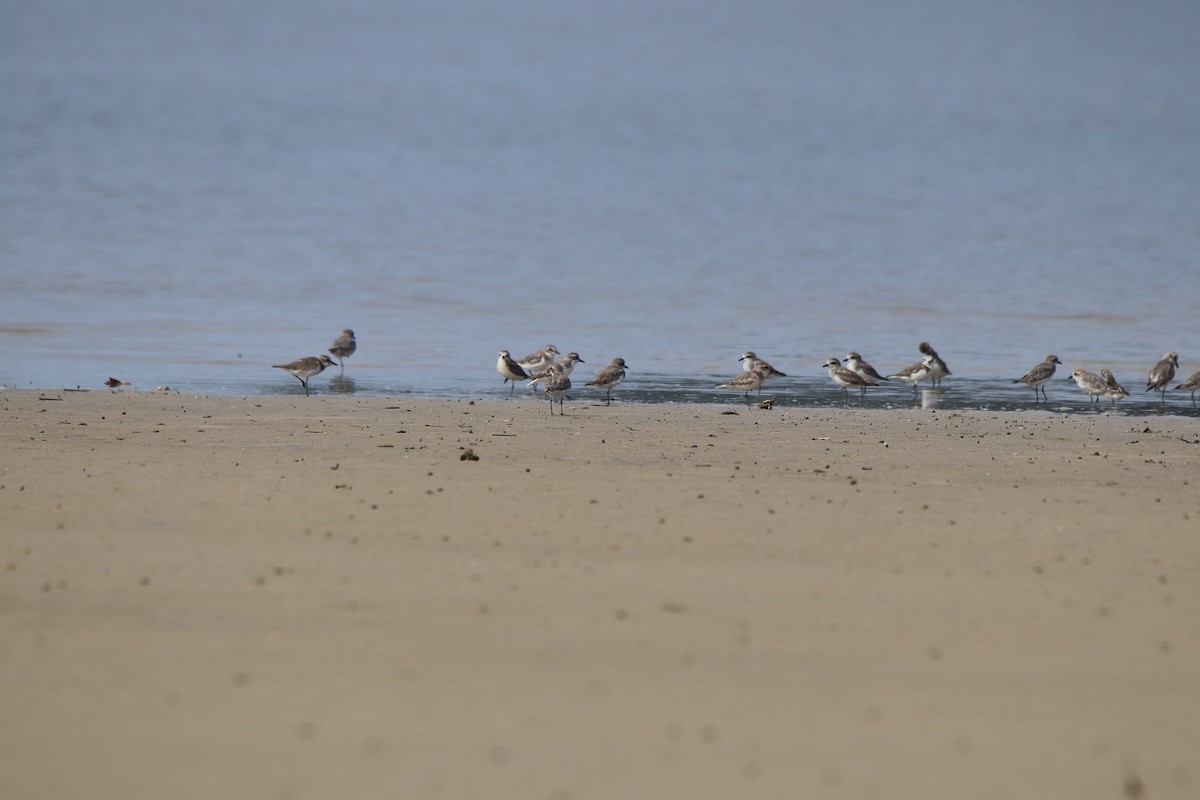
pixel 305 368
pixel 1161 373
pixel 1039 375
pixel 511 370
pixel 343 347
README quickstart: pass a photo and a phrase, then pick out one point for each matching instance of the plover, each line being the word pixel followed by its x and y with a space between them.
pixel 855 363
pixel 567 363
pixel 557 385
pixel 751 362
pixel 914 373
pixel 846 378
pixel 539 359
pixel 1115 390
pixel 609 377
pixel 1039 375
pixel 747 382
pixel 1091 383
pixel 1161 373
pixel 937 367
pixel 305 368
pixel 1191 385
pixel 511 370
pixel 343 347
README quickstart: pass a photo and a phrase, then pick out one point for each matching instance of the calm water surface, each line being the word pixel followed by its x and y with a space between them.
pixel 193 191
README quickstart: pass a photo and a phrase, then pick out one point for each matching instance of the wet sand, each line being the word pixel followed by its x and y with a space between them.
pixel 319 597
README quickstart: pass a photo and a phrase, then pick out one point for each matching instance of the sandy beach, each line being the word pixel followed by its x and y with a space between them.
pixel 375 597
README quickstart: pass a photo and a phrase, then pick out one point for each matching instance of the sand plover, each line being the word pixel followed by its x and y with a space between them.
pixel 855 363
pixel 539 359
pixel 511 370
pixel 557 386
pixel 1191 385
pixel 1115 390
pixel 914 373
pixel 1161 373
pixel 1039 375
pixel 937 367
pixel 752 363
pixel 343 347
pixel 747 382
pixel 846 378
pixel 609 377
pixel 1091 383
pixel 305 368
pixel 567 363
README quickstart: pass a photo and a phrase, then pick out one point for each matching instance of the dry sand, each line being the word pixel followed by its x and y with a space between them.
pixel 318 598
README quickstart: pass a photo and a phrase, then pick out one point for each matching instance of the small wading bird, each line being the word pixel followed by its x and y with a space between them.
pixel 343 347
pixel 846 378
pixel 752 363
pixel 1091 383
pixel 557 385
pixel 1115 390
pixel 567 363
pixel 914 373
pixel 937 367
pixel 609 377
pixel 1039 375
pixel 855 363
pixel 747 382
pixel 511 371
pixel 305 368
pixel 539 359
pixel 1191 385
pixel 1161 373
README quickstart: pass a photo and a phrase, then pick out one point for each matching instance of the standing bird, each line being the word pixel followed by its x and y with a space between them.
pixel 914 373
pixel 1115 390
pixel 1039 375
pixel 1091 383
pixel 343 347
pixel 855 363
pixel 937 367
pixel 557 385
pixel 609 377
pixel 747 382
pixel 752 363
pixel 305 368
pixel 567 363
pixel 539 359
pixel 511 371
pixel 846 378
pixel 1191 384
pixel 1161 374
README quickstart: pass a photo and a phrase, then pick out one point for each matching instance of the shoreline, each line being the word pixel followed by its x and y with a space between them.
pixel 308 597
pixel 798 396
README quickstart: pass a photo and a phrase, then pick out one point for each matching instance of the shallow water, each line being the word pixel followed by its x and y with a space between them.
pixel 193 191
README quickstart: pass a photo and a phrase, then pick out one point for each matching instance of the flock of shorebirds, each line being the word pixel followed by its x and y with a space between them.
pixel 859 374
pixel 552 371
